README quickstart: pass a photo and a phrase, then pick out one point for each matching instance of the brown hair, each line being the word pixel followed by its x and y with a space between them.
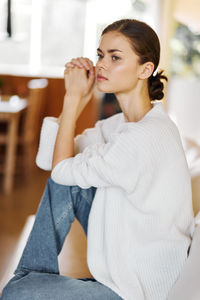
pixel 146 45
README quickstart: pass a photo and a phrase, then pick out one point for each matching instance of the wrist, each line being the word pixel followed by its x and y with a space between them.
pixel 72 105
pixel 70 109
pixel 71 101
pixel 72 98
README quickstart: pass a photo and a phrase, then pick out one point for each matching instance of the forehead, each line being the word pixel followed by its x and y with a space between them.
pixel 115 40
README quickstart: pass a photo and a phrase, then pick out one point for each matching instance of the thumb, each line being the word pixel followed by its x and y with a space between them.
pixel 91 78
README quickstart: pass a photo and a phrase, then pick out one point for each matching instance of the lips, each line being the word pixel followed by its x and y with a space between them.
pixel 100 77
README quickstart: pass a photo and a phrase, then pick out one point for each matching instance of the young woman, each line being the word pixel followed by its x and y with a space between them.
pixel 127 176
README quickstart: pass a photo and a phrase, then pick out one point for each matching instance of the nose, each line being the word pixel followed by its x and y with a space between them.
pixel 101 64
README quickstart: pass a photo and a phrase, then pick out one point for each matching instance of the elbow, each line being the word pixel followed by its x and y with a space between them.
pixel 42 163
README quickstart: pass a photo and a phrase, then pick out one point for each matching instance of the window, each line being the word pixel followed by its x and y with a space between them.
pixel 47 33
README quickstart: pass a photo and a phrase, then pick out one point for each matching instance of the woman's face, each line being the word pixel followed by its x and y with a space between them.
pixel 117 63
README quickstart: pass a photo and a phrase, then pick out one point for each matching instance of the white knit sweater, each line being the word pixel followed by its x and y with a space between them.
pixel 141 220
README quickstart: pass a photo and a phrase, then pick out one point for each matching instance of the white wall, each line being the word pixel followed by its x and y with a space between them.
pixel 183 105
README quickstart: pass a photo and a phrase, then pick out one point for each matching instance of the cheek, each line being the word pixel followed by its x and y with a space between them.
pixel 124 71
pixel 124 76
pixel 121 78
pixel 118 69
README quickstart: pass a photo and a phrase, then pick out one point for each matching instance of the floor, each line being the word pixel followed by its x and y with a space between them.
pixel 14 212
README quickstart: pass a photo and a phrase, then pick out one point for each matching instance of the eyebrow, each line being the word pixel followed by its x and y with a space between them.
pixel 109 51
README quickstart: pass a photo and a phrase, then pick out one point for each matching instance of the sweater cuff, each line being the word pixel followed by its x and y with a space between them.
pixel 47 142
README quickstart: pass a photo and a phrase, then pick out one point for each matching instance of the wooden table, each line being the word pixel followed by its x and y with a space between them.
pixel 10 113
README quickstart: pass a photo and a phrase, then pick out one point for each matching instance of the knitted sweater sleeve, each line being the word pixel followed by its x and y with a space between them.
pixel 114 163
pixel 48 137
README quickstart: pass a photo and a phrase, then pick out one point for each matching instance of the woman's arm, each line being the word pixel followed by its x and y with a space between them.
pixel 64 146
pixel 79 82
pixel 102 165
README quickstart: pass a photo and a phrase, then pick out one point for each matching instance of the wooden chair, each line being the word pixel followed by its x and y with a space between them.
pixel 28 138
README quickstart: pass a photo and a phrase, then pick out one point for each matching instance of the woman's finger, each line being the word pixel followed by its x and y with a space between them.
pixel 81 62
pixel 85 62
pixel 69 65
pixel 77 63
pixel 89 62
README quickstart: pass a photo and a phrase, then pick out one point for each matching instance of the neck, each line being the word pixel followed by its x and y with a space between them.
pixel 134 104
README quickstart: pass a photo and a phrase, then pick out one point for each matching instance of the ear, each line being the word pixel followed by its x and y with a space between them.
pixel 146 70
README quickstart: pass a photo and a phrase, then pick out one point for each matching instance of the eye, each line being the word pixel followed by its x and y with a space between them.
pixel 114 57
pixel 100 56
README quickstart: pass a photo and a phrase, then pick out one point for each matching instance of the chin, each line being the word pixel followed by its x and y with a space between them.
pixel 104 89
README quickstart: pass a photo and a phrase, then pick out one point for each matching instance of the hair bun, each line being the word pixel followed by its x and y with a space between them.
pixel 156 86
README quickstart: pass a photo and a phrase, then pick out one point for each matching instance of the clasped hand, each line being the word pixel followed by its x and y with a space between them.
pixel 79 76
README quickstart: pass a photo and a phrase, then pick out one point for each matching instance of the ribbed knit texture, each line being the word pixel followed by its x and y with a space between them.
pixel 141 220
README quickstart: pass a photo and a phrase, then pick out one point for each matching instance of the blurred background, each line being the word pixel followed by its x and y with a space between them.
pixel 37 38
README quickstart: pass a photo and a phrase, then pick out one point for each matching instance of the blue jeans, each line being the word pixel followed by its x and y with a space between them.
pixel 37 274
